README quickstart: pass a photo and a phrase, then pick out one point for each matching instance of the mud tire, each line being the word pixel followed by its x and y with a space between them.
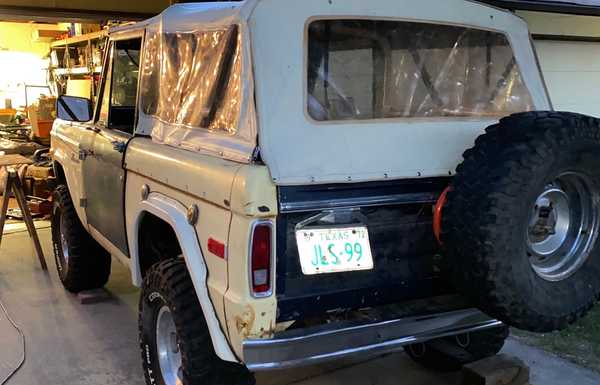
pixel 485 227
pixel 88 264
pixel 168 284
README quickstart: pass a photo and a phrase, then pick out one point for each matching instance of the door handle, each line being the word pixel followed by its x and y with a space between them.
pixel 119 146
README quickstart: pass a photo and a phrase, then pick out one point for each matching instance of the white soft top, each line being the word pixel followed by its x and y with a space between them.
pixel 236 142
pixel 193 16
pixel 273 101
pixel 300 150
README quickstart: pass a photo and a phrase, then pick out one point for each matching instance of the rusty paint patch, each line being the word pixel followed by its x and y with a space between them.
pixel 245 321
pixel 267 333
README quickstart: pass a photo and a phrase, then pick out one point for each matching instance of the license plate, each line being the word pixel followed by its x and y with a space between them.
pixel 333 250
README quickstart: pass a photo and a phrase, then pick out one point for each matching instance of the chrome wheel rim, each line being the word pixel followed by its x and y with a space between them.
pixel 64 245
pixel 562 227
pixel 167 346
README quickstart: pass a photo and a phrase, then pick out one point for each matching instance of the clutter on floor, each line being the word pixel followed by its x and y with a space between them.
pixel 13 185
pixel 24 142
pixel 27 134
pixel 37 179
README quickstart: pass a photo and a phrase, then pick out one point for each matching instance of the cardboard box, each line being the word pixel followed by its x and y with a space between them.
pixel 41 115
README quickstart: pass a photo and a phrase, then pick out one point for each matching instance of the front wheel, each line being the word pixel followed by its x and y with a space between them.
pixel 82 264
pixel 174 338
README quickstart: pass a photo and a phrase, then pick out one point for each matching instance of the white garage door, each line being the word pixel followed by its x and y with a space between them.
pixel 572 73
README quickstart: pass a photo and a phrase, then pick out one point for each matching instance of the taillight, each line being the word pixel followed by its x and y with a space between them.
pixel 260 260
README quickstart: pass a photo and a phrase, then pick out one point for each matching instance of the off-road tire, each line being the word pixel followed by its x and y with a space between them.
pixel 88 264
pixel 168 283
pixel 451 353
pixel 485 218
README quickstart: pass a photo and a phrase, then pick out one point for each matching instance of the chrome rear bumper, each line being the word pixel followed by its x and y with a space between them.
pixel 315 345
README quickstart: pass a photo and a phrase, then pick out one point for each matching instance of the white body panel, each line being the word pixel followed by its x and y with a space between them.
pixel 109 246
pixel 65 141
pixel 228 196
pixel 390 148
pixel 174 213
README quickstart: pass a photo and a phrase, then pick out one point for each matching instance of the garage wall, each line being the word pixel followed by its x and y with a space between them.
pixel 559 24
pixel 17 37
pixel 572 73
pixel 21 62
pixel 571 67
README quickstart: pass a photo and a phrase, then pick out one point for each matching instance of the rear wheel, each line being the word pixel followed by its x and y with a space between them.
pixel 522 219
pixel 82 264
pixel 451 353
pixel 174 338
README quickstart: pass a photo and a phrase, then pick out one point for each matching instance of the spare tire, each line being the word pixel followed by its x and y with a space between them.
pixel 521 220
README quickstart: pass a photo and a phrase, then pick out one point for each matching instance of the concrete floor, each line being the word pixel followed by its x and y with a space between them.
pixel 69 343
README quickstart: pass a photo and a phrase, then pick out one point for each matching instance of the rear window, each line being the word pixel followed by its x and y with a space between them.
pixel 374 69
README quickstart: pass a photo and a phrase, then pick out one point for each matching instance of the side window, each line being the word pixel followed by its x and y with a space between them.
pixel 193 79
pixel 118 105
pixel 125 74
pixel 378 69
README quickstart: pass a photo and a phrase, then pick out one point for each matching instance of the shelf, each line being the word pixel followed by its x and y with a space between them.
pixel 76 71
pixel 75 40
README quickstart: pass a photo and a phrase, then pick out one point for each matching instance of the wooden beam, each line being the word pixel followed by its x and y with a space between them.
pixel 117 6
pixel 80 10
pixel 78 39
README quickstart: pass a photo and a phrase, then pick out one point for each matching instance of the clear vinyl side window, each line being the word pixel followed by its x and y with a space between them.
pixel 375 69
pixel 193 79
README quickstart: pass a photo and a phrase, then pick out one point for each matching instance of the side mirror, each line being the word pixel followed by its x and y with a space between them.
pixel 73 108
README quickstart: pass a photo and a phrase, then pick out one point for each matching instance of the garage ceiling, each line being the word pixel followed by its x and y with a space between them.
pixel 79 10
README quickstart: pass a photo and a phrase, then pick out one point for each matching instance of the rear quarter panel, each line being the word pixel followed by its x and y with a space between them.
pixel 253 198
pixel 189 178
pixel 228 196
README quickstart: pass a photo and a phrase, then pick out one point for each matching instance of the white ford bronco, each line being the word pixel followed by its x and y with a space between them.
pixel 284 180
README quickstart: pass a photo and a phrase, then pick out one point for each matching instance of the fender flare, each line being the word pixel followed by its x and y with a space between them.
pixel 175 214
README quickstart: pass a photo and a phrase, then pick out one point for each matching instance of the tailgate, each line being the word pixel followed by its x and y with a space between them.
pixel 398 216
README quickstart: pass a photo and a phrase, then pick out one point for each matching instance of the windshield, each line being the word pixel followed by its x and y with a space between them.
pixel 373 69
